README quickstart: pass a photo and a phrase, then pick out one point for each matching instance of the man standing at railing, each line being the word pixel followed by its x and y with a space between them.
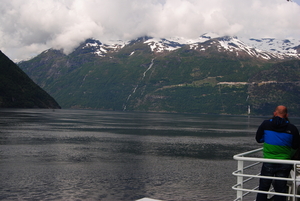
pixel 280 139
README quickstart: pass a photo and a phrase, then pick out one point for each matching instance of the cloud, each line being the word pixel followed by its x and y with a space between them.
pixel 29 27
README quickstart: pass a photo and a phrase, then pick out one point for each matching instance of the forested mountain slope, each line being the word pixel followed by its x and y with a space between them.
pixel 217 75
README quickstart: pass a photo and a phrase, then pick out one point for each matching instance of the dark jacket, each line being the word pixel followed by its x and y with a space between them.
pixel 280 138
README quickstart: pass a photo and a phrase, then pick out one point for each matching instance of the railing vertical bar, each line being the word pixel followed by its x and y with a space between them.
pixel 240 179
pixel 294 182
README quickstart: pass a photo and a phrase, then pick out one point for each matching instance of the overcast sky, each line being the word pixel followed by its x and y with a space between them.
pixel 29 27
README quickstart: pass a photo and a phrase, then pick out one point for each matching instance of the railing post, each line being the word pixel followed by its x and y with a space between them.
pixel 239 194
pixel 294 184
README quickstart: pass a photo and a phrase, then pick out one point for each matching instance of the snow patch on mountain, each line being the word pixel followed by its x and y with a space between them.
pixel 287 46
pixel 102 49
pixel 174 43
pixel 234 44
pixel 160 45
pixel 201 39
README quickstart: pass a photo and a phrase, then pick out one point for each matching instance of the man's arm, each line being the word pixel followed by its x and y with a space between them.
pixel 260 134
pixel 296 138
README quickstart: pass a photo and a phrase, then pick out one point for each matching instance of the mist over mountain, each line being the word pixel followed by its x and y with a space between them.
pixel 17 90
pixel 209 74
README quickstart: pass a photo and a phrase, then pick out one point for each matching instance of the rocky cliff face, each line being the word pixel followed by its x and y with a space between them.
pixel 17 90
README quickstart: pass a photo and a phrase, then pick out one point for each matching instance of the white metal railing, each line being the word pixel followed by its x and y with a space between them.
pixel 248 174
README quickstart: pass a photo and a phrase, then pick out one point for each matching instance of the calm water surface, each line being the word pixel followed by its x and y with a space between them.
pixel 120 156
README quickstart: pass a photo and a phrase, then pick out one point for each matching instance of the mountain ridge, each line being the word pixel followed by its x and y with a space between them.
pixel 266 48
pixel 274 48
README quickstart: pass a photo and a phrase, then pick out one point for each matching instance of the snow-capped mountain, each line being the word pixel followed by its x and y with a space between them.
pixel 287 46
pixel 172 75
pixel 101 49
pixel 265 48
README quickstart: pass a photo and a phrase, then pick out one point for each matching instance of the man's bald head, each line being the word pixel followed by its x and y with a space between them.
pixel 281 111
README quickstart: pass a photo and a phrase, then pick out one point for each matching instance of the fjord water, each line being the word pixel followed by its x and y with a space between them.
pixel 106 155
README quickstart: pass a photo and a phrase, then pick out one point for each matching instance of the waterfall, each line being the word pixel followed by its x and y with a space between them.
pixel 134 89
pixel 144 74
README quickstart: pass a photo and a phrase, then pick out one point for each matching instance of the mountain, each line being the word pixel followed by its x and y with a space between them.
pixel 17 90
pixel 210 74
